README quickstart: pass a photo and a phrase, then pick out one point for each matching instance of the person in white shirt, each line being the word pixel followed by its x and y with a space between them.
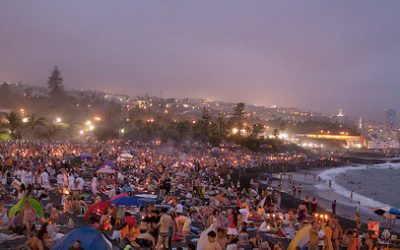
pixel 71 182
pixel 81 184
pixel 244 211
pixel 44 177
pixel 60 180
pixel 95 185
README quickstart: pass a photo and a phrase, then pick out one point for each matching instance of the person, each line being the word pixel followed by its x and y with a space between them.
pixel 314 238
pixel 344 244
pixel 354 242
pixel 9 237
pixel 314 205
pixel 164 227
pixel 337 233
pixel 328 236
pixel 212 243
pixel 307 203
pixel 29 217
pixel 334 207
pixel 369 242
pixel 76 246
pixel 221 238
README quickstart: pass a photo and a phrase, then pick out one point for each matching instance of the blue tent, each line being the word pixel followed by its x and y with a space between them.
pixel 90 238
pixel 85 156
pixel 109 163
pixel 127 201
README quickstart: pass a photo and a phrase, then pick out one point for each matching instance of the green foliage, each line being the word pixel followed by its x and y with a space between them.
pixel 55 84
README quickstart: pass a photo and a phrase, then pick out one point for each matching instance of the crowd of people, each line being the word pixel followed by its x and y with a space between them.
pixel 191 196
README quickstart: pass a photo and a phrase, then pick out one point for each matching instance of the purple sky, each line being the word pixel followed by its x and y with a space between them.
pixel 315 55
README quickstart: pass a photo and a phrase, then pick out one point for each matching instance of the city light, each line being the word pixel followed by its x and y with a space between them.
pixel 81 132
pixel 58 120
pixel 25 119
pixel 235 130
pixel 122 131
pixel 88 123
pixel 97 118
pixel 91 128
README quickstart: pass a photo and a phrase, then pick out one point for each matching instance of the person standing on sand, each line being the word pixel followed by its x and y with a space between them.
pixel 314 205
pixel 307 203
pixel 334 207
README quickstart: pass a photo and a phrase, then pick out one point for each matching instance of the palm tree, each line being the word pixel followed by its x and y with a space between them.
pixel 34 123
pixel 51 131
pixel 14 124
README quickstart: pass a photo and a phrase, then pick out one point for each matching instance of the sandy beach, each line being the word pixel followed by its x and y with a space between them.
pixel 312 186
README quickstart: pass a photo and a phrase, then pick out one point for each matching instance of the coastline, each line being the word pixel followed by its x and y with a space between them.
pixel 346 208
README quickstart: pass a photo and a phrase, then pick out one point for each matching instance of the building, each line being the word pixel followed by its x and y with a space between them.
pixel 390 119
pixel 360 124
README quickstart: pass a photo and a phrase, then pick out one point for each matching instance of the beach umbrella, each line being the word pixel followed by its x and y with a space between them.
pixel 85 156
pixel 118 196
pixel 105 170
pixel 19 207
pixel 301 238
pixel 97 208
pixel 90 238
pixel 127 201
pixel 126 155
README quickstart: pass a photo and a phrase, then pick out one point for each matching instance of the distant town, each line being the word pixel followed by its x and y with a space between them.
pixel 91 114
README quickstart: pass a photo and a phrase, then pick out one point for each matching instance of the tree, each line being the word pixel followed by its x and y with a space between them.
pixel 55 84
pixel 14 124
pixel 51 132
pixel 34 122
pixel 257 130
pixel 276 133
pixel 239 112
pixel 205 122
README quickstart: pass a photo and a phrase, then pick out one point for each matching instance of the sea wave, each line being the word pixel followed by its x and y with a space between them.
pixel 331 174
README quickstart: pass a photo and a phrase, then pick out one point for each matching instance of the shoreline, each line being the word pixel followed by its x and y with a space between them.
pixel 345 208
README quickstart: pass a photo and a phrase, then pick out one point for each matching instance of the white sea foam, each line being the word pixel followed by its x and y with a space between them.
pixel 331 174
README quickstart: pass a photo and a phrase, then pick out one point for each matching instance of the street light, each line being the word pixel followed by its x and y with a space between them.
pixel 88 123
pixel 235 131
pixel 91 128
pixel 122 131
pixel 25 119
pixel 58 120
pixel 81 132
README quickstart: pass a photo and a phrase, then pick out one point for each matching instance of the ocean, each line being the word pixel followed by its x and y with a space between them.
pixel 372 185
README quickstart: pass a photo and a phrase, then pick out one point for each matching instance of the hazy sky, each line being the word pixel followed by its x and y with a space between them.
pixel 315 55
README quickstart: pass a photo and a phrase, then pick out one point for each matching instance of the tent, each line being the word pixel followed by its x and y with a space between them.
pixel 301 238
pixel 19 207
pixel 127 201
pixel 97 208
pixel 105 170
pixel 90 238
pixel 201 243
pixel 388 212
